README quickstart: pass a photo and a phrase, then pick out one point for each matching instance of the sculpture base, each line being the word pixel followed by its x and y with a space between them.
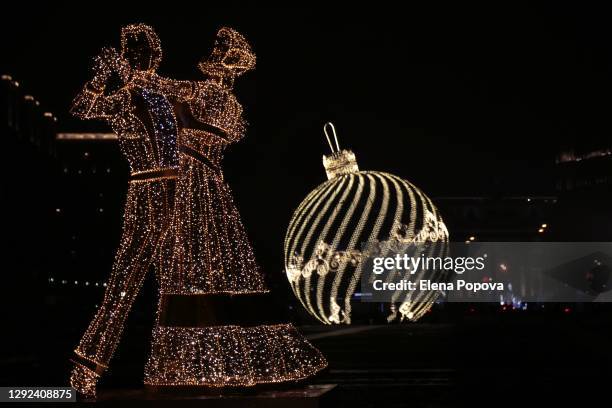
pixel 309 396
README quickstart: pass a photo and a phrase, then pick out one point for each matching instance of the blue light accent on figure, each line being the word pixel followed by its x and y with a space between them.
pixel 164 127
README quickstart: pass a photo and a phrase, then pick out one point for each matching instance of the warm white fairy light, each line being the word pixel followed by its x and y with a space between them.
pixel 205 250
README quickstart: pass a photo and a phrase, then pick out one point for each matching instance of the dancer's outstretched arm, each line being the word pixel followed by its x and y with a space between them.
pixel 92 102
pixel 178 90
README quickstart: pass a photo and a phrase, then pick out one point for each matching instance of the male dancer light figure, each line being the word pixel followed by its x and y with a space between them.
pixel 146 127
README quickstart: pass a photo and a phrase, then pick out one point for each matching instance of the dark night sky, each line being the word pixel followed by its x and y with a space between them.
pixel 457 100
pixel 460 100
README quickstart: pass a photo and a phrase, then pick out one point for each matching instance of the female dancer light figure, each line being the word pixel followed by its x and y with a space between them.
pixel 210 280
pixel 145 125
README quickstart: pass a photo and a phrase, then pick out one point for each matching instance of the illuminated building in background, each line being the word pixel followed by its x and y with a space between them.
pixel 584 168
pixel 584 184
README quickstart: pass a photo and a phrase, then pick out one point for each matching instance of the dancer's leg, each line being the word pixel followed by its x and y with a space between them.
pixel 145 217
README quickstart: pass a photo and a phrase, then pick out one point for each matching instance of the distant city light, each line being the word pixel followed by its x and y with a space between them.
pixel 566 157
pixel 85 136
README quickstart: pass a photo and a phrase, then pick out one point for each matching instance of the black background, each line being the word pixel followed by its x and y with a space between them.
pixel 460 100
pixel 467 100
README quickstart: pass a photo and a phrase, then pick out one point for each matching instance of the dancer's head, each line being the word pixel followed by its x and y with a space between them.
pixel 231 56
pixel 141 47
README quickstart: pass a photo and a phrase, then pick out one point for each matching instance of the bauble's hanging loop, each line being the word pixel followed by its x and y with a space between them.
pixel 333 129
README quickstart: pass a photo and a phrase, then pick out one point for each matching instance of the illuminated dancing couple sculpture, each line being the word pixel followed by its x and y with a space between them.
pixel 180 217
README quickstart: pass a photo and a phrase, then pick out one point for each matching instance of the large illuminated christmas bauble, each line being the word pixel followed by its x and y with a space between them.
pixel 326 241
